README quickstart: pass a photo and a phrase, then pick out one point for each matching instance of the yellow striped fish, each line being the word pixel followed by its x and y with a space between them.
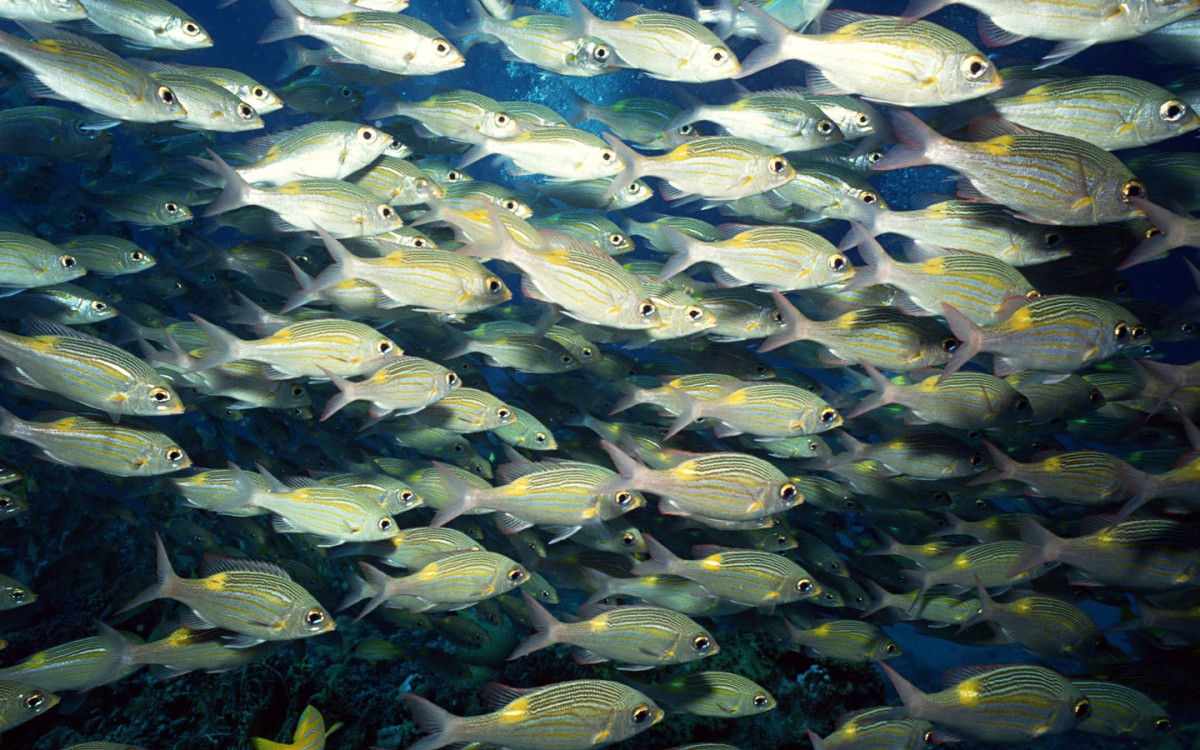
pixel 121 450
pixel 454 580
pixel 717 694
pixel 27 261
pixel 402 386
pixel 20 702
pixel 771 258
pixel 310 733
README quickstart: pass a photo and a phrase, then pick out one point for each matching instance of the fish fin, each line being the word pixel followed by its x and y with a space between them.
pixel 1062 52
pixel 119 656
pixel 264 744
pixel 796 327
pixel 958 675
pixel 34 87
pixel 238 641
pixel 286 26
pixel 583 657
pixel 916 139
pixel 912 698
pixel 878 262
pixel 497 695
pixel 162 672
pixel 993 36
pixel 214 564
pixel 192 620
pixel 236 193
pixel 545 629
pixel 662 560
pixel 378 580
pixel 969 335
pixel 773 37
pixel 165 583
pixel 819 83
pixel 508 524
pixel 630 470
pixel 634 164
pixel 684 253
pixel 344 396
pixel 1172 233
pixel 884 395
pixel 1006 467
pixel 460 497
pixel 562 533
pixel 918 9
pixel 1042 546
pixel 727 280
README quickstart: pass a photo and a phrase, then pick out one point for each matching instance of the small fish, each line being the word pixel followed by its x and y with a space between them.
pixel 20 702
pixel 152 24
pixel 717 694
pixel 107 255
pixel 541 39
pixel 1043 625
pixel 1121 711
pixel 403 386
pixel 962 400
pixel 718 168
pixel 54 133
pixel 454 580
pixel 256 600
pixel 579 714
pixel 771 258
pixel 881 58
pixel 851 641
pixel 465 116
pixel 331 150
pixel 77 665
pixel 1015 703
pixel 635 637
pixel 14 594
pixel 27 261
pixel 527 431
pixel 785 123
pixel 121 450
pixel 555 152
pixel 310 733
pixel 209 107
pixel 45 11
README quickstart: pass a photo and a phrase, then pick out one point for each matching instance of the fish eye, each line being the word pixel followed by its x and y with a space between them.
pixel 258 92
pixel 35 700
pixel 686 130
pixel 891 648
pixel 702 643
pixel 1133 189
pixel 419 242
pixel 949 344
pixel 624 497
pixel 695 313
pixel 346 92
pixel 1033 294
pixel 828 416
pixel 137 256
pixel 1162 725
pixel 1120 332
pixel 804 586
pixel 509 205
pixel 516 574
pixel 458 448
pixel 566 359
pixel 441 46
pixel 719 56
pixel 171 207
pixel 166 95
pixel 628 538
pixel 869 198
pixel 928 736
pixel 67 261
pixel 641 714
pixel 1052 238
pixel 502 119
pixel 1138 332
pixel 600 53
pixel 17 594
pixel 646 309
pixel 814 446
pixel 976 459
pixel 245 111
pixel 862 120
pixel 777 164
pixel 1172 111
pixel 759 700
pixel 99 306
pixel 974 434
pixel 191 28
pixel 1083 707
pixel 1153 232
pixel 451 379
pixel 974 67
pixel 540 437
pixel 174 454
pixel 837 262
pixel 494 285
pixel 776 316
pixel 607 155
pixel 453 176
pixel 616 240
pixel 383 347
pixel 160 394
pixel 5 501
pixel 386 212
pixel 367 135
pixel 1188 329
pixel 824 127
pixel 385 524
pixel 421 184
pixel 760 369
pixel 587 352
pixel 298 390
pixel 850 503
pixel 1021 404
pixel 503 413
pixel 1095 398
pixel 314 617
pixel 787 491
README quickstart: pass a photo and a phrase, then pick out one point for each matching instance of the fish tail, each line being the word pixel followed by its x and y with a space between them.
pixel 631 397
pixel 662 560
pixel 220 348
pixel 1172 233
pixel 918 9
pixel 544 630
pixel 295 58
pixel 601 581
pixel 346 394
pixel 683 249
pixel 357 590
pixel 305 294
pixel 8 421
pixel 344 268
pixel 460 496
pixel 119 654
pixel 237 191
pixel 691 111
pixel 378 580
pixel 885 392
pixel 878 264
pixel 435 721
pixel 773 37
pixel 911 696
pixel 689 413
pixel 581 21
pixel 970 338
pixel 633 161
pixel 1041 546
pixel 629 468
pixel 880 598
pixel 165 583
pixel 815 739
pixel 1006 468
pixel 286 26
pixel 916 139
pixel 1143 486
pixel 796 327
pixel 577 108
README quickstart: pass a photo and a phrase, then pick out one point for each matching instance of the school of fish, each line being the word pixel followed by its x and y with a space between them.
pixel 363 361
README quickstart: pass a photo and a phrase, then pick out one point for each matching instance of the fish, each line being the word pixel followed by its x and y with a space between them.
pixel 844 640
pixel 257 601
pixel 77 665
pixel 119 450
pixel 45 11
pixel 402 386
pixel 146 24
pixel 1044 625
pixel 786 123
pixel 453 580
pixel 718 168
pixel 29 262
pixel 718 694
pixel 54 133
pixel 540 39
pixel 881 58
pixel 594 713
pixel 310 733
pixel 20 703
pixel 1121 711
pixel 14 594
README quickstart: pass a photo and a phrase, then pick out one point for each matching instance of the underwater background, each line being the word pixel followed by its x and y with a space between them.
pixel 86 542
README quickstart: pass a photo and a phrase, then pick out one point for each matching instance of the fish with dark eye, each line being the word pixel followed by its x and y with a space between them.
pixel 256 600
pixel 717 694
pixel 575 715
pixel 962 400
pixel 635 637
pixel 851 641
pixel 119 449
pixel 20 702
pixel 1044 625
pixel 1003 705
pixel 1122 711
pixel 450 581
pixel 27 262
pixel 14 594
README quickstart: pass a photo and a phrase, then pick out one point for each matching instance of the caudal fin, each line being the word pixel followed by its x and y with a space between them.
pixel 634 166
pixel 969 335
pixel 662 560
pixel 163 586
pixel 544 629
pixel 286 26
pixel 796 327
pixel 236 193
pixel 460 496
pixel 221 347
pixel 1041 547
pixel 1172 233
pixel 346 394
pixel 885 392
pixel 773 37
pixel 436 722
pixel 916 139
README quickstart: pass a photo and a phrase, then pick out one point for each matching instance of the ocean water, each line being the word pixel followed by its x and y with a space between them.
pixel 86 545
